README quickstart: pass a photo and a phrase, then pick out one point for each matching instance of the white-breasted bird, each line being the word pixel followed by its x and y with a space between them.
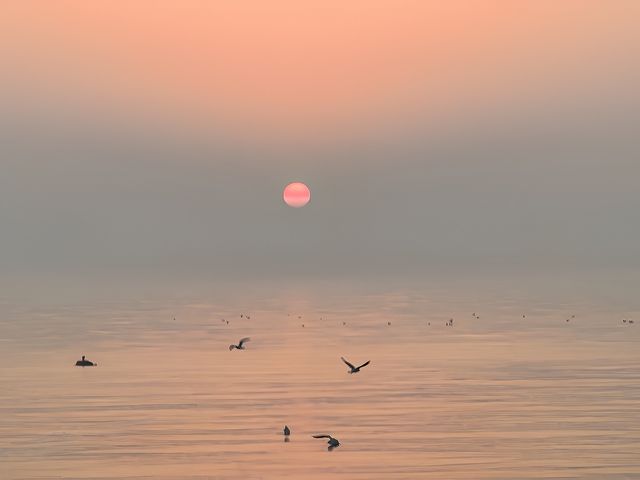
pixel 240 345
pixel 353 368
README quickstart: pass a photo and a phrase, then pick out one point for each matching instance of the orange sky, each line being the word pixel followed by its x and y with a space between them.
pixel 289 66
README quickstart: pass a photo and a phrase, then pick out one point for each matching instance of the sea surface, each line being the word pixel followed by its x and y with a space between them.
pixel 525 388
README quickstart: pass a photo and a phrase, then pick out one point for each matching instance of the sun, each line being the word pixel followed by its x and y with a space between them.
pixel 296 195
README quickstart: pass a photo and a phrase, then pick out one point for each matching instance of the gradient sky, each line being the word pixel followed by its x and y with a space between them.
pixel 155 137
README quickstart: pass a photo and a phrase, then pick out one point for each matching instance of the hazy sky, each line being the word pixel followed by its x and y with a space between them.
pixel 155 137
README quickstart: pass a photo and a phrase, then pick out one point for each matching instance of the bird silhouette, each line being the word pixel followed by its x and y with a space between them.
pixel 240 345
pixel 286 431
pixel 85 363
pixel 353 368
pixel 333 442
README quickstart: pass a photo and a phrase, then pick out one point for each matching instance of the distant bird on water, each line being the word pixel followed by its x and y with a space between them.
pixel 333 442
pixel 353 368
pixel 286 431
pixel 240 345
pixel 85 363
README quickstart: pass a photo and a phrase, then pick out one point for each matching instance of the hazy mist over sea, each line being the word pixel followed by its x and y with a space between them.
pixel 472 231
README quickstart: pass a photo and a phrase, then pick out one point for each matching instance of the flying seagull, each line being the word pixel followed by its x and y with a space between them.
pixel 353 368
pixel 240 345
pixel 333 442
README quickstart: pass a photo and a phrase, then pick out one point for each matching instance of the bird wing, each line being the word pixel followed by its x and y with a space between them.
pixel 365 364
pixel 350 365
pixel 321 436
pixel 244 340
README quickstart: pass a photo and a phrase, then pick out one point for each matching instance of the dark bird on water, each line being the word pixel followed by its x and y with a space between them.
pixel 286 431
pixel 85 363
pixel 333 442
pixel 240 345
pixel 353 368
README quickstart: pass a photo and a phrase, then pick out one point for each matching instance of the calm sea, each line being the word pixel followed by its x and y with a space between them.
pixel 494 397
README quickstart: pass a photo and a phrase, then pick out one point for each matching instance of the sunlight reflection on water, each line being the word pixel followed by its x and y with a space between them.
pixel 495 397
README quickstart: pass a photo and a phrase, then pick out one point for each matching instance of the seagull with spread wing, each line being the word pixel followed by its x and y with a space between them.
pixel 240 345
pixel 353 368
pixel 333 442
